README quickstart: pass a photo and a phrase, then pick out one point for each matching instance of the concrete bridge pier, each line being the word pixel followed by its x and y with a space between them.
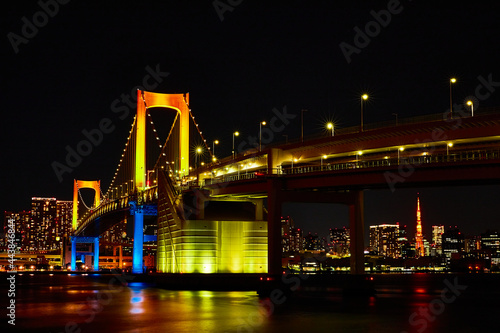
pixel 274 208
pixel 356 229
pixel 120 255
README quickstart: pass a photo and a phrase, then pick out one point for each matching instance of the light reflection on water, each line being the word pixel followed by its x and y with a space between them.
pixel 48 303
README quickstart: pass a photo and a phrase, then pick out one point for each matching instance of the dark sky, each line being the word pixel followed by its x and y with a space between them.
pixel 65 76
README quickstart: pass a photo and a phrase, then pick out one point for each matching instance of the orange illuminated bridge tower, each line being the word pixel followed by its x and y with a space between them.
pixel 419 238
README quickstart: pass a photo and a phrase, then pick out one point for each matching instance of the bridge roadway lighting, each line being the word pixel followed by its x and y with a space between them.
pixel 262 123
pixel 400 150
pixel 324 157
pixel 235 134
pixel 471 104
pixel 452 80
pixel 364 97
pixel 198 152
pixel 330 126
pixel 216 142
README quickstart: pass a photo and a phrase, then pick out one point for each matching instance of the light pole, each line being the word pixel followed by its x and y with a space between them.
pixel 330 126
pixel 216 142
pixel 471 104
pixel 364 97
pixel 359 153
pixel 235 134
pixel 147 180
pixel 448 146
pixel 400 150
pixel 323 158
pixel 302 124
pixel 452 80
pixel 396 115
pixel 262 123
pixel 198 152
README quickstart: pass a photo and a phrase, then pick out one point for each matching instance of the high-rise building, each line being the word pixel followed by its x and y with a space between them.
pixel 340 241
pixel 312 242
pixel 437 239
pixel 405 248
pixel 384 240
pixel 453 242
pixel 62 227
pixel 296 240
pixel 42 224
pixel 419 238
pixel 21 228
pixel 286 232
pixel 490 242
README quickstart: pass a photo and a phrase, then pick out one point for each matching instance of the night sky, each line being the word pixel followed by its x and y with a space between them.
pixel 239 61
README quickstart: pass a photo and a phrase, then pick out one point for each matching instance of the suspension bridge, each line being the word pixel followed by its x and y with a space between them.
pixel 224 216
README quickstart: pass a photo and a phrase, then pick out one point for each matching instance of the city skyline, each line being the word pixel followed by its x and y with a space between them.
pixel 297 65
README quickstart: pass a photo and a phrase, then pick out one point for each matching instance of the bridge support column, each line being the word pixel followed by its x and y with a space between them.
pixel 137 253
pixel 259 209
pixel 356 225
pixel 96 253
pixel 274 247
pixel 120 257
pixel 73 253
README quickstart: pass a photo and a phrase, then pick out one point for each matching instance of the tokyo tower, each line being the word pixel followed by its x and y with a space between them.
pixel 419 239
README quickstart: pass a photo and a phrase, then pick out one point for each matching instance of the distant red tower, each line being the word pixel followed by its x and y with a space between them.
pixel 419 238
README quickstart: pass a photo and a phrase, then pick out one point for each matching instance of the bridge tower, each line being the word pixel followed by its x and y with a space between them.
pixel 96 186
pixel 146 100
pixel 78 184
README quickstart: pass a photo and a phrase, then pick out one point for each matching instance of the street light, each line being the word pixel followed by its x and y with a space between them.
pixel 324 157
pixel 471 104
pixel 262 123
pixel 364 97
pixel 216 142
pixel 448 146
pixel 198 152
pixel 396 115
pixel 400 150
pixel 302 124
pixel 330 126
pixel 235 134
pixel 452 80
pixel 358 153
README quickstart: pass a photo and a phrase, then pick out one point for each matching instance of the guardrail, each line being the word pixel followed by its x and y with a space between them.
pixel 456 157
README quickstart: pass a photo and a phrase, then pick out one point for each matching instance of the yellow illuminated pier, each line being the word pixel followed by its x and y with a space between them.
pixel 201 246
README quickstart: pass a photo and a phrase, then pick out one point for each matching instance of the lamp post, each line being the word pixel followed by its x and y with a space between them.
pixel 358 153
pixel 235 134
pixel 396 115
pixel 302 124
pixel 262 123
pixel 364 97
pixel 323 158
pixel 148 182
pixel 452 80
pixel 198 152
pixel 471 104
pixel 400 150
pixel 216 142
pixel 330 126
pixel 448 146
